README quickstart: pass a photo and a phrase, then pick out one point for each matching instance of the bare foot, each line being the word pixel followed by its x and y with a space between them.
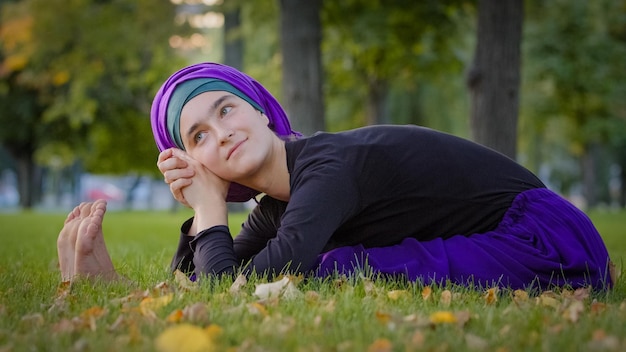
pixel 66 242
pixel 91 258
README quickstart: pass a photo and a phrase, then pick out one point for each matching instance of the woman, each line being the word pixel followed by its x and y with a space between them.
pixel 403 200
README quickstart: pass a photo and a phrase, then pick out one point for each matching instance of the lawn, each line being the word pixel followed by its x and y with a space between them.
pixel 167 313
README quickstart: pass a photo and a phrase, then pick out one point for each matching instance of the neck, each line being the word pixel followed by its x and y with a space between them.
pixel 274 179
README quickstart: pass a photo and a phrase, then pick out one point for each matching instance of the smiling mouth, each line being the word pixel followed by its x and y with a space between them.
pixel 230 152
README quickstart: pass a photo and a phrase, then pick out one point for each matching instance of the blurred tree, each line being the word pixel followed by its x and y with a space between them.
pixel 577 71
pixel 300 38
pixel 372 49
pixel 494 77
pixel 77 79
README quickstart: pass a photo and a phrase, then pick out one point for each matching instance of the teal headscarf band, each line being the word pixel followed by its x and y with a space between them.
pixel 188 90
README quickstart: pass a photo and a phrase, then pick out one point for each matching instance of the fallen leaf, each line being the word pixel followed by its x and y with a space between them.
pixel 291 292
pixel 426 293
pixel 597 307
pixel 380 345
pixel 187 338
pixel 383 318
pixel 31 321
pixel 491 296
pixel 520 297
pixel 417 340
pixel 446 298
pixel 88 317
pixel 150 304
pixel 573 310
pixel 175 316
pixel 548 299
pixel 239 283
pixel 183 281
pixel 257 308
pixel 273 289
pixel 394 295
pixel 475 342
pixel 600 341
pixel 442 317
pixel 196 313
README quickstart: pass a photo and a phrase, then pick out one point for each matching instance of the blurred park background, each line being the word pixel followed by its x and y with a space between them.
pixel 543 81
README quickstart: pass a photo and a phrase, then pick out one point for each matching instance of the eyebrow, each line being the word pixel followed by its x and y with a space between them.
pixel 216 104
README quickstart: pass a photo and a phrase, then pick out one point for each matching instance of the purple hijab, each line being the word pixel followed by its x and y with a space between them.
pixel 246 84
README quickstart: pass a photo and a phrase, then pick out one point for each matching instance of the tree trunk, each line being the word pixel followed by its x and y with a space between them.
pixel 233 42
pixel 494 78
pixel 302 69
pixel 28 180
pixel 376 98
pixel 589 166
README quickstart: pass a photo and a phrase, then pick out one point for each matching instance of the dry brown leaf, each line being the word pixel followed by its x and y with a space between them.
pixel 491 296
pixel 426 293
pixel 548 299
pixel 600 341
pixel 31 321
pixel 462 317
pixel 197 313
pixel 239 283
pixel 183 281
pixel 383 318
pixel 597 307
pixel 89 317
pixel 475 342
pixel 380 345
pixel 573 310
pixel 417 340
pixel 520 297
pixel 446 298
pixel 257 308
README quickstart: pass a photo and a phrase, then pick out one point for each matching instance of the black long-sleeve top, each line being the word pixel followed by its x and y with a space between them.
pixel 372 186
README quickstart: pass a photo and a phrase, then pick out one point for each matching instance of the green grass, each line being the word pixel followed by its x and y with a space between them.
pixel 354 314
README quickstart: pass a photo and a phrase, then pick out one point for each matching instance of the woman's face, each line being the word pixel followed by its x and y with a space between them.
pixel 226 135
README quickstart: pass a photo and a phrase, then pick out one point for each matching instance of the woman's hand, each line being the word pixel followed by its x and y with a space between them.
pixel 177 173
pixel 195 186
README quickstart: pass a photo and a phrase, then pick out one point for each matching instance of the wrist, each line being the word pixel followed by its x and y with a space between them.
pixel 207 218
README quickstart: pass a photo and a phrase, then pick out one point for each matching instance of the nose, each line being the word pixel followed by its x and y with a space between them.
pixel 224 134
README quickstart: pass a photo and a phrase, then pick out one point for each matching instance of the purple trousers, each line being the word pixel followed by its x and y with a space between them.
pixel 541 242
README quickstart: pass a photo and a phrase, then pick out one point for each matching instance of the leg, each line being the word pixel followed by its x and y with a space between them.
pixel 543 241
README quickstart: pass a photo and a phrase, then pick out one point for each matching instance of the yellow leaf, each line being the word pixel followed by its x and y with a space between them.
pixel 442 317
pixel 380 345
pixel 426 293
pixel 383 318
pixel 548 299
pixel 257 308
pixel 394 295
pixel 187 338
pixel 149 304
pixel 491 297
pixel 446 298
pixel 175 317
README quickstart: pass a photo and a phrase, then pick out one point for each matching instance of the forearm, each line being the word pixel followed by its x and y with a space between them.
pixel 213 252
pixel 183 258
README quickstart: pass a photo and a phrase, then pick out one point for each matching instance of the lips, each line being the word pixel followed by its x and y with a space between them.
pixel 234 148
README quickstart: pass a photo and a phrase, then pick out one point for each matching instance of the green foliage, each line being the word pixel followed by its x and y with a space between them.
pixel 372 47
pixel 87 64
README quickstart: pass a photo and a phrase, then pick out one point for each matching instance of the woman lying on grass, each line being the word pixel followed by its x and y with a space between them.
pixel 402 200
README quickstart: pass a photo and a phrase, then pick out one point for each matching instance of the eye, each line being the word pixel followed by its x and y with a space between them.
pixel 198 137
pixel 225 110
